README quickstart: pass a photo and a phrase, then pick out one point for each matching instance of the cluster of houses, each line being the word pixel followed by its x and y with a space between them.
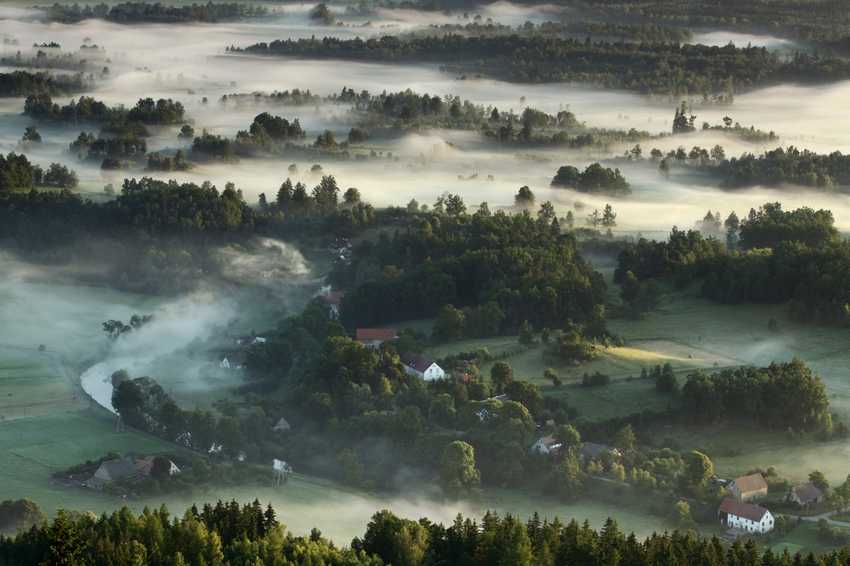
pixel 133 465
pixel 414 364
pixel 340 247
pixel 743 517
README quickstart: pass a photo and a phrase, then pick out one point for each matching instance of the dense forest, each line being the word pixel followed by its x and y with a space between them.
pixel 230 533
pixel 656 68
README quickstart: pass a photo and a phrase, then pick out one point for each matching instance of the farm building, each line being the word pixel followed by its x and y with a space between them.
pixel 422 367
pixel 246 339
pixel 748 488
pixel 546 445
pixel 744 516
pixel 234 361
pixel 112 470
pixel 373 337
pixel 805 494
pixel 281 426
pixel 340 246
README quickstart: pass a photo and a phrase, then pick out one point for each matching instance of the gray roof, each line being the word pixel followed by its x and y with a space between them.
pixel 417 362
pixel 807 492
pixel 111 470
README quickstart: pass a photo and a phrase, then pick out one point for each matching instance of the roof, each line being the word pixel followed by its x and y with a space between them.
pixel 375 334
pixel 806 492
pixel 548 441
pixel 417 362
pixel 749 483
pixel 592 450
pixel 144 463
pixel 111 470
pixel 282 425
pixel 741 509
pixel 237 359
pixel 335 296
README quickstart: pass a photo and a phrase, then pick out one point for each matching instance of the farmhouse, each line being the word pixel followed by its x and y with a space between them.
pixel 748 488
pixel 744 516
pixel 234 361
pixel 112 470
pixel 591 450
pixel 805 494
pixel 246 339
pixel 546 445
pixel 422 367
pixel 281 426
pixel 373 337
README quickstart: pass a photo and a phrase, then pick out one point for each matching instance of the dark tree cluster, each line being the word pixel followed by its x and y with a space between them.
pixel 685 254
pixel 26 83
pixel 594 179
pixel 527 267
pixel 16 172
pixel 779 395
pixel 789 166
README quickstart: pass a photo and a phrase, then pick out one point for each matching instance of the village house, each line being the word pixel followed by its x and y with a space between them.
pixel 592 450
pixel 234 361
pixel 546 445
pixel 281 426
pixel 422 367
pixel 805 494
pixel 748 488
pixel 740 515
pixel 373 337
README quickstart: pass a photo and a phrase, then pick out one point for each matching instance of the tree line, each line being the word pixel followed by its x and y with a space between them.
pixel 230 533
pixel 656 68
pixel 134 12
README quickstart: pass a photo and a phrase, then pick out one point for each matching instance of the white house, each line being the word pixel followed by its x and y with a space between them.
pixel 546 445
pixel 744 516
pixel 265 270
pixel 281 426
pixel 422 367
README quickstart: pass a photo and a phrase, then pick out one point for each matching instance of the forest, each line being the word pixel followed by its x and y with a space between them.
pixel 135 12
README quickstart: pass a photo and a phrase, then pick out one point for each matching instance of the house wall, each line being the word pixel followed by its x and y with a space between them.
pixel 764 526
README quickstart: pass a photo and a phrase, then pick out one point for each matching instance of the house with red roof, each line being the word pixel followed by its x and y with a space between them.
pixel 373 337
pixel 744 516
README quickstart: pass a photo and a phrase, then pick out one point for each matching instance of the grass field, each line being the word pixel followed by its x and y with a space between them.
pixel 30 386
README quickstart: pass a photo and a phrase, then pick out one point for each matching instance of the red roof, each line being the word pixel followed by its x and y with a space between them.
pixel 335 296
pixel 741 509
pixel 375 334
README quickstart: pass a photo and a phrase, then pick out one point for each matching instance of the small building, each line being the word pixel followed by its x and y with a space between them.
pixel 592 450
pixel 546 445
pixel 374 337
pixel 246 339
pixel 112 470
pixel 340 246
pixel 744 516
pixel 234 361
pixel 422 367
pixel 748 488
pixel 281 426
pixel 805 494
pixel 335 298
